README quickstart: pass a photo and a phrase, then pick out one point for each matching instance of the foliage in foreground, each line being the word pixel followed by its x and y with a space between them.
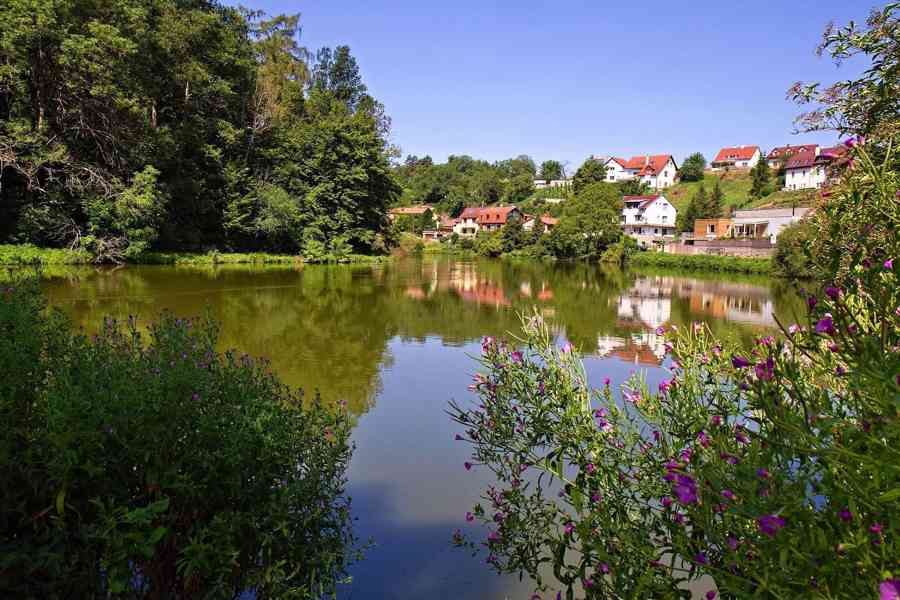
pixel 154 467
pixel 774 471
pixel 701 261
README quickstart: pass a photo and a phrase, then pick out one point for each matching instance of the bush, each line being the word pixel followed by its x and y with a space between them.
pixel 148 468
pixel 792 254
pixel 701 261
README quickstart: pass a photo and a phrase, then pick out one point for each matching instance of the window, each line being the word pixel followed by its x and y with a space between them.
pixel 664 217
pixel 711 228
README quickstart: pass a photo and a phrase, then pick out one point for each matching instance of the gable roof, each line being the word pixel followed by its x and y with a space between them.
pixel 782 151
pixel 801 160
pixel 736 153
pixel 495 215
pixel 470 212
pixel 621 161
pixel 645 201
pixel 650 164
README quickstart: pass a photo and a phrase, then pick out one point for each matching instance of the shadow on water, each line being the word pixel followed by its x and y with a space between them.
pixel 395 341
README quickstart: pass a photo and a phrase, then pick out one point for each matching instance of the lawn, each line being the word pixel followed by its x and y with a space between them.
pixel 736 188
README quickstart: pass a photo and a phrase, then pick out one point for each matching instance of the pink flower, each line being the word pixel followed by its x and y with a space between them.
pixel 567 348
pixel 715 420
pixel 729 495
pixel 604 568
pixel 666 502
pixel 875 528
pixel 889 264
pixel 590 469
pixel 569 528
pixel 703 439
pixel 606 381
pixel 889 590
pixel 770 524
pixel 711 595
pixel 470 517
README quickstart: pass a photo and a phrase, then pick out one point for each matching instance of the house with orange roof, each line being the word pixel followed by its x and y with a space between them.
pixel 547 223
pixel 736 157
pixel 485 218
pixel 658 171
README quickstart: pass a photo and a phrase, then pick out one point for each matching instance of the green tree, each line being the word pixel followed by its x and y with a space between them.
pixel 591 171
pixel 696 209
pixel 551 170
pixel 761 177
pixel 512 234
pixel 716 202
pixel 692 167
pixel 595 213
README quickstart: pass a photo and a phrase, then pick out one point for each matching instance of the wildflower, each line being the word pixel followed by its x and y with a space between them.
pixel 811 302
pixel 657 436
pixel 686 490
pixel 728 494
pixel 470 517
pixel 516 357
pixel 632 396
pixel 567 348
pixel 740 436
pixel 840 371
pixel 763 473
pixel 765 371
pixel 700 558
pixel 666 502
pixel 468 466
pixel 195 396
pixel 770 524
pixel 794 329
pixel 604 568
pixel 606 381
pixel 493 537
pixel 604 425
pixel 845 515
pixel 703 439
pixel 889 264
pixel 711 595
pixel 661 330
pixel 833 292
pixel 664 386
pixel 601 412
pixel 739 362
pixel 875 528
pixel 569 528
pixel 889 590
pixel 590 469
pixel 731 459
pixel 587 582
pixel 715 420
pixel 732 542
pixel 833 347
pixel 825 325
pixel 596 497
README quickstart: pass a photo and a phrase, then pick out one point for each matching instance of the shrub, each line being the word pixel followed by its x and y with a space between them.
pixel 701 261
pixel 148 468
pixel 792 258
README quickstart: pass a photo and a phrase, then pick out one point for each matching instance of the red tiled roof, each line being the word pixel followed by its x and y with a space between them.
pixel 782 151
pixel 801 160
pixel 471 212
pixel 495 215
pixel 649 164
pixel 736 153
pixel 548 220
pixel 621 161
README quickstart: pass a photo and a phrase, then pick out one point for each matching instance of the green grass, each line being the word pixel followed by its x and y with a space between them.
pixel 29 255
pixel 702 261
pixel 736 189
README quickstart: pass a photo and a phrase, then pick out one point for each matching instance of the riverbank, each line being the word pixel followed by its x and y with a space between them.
pixel 29 255
pixel 704 262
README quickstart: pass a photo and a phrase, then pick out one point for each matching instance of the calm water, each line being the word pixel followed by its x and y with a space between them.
pixel 395 342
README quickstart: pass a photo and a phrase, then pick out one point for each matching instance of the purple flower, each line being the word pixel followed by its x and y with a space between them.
pixel 739 362
pixel 703 439
pixel 845 515
pixel 875 528
pixel 459 438
pixel 833 292
pixel 567 348
pixel 590 469
pixel 811 302
pixel 825 325
pixel 666 502
pixel 569 528
pixel 740 436
pixel 889 590
pixel 604 568
pixel 493 537
pixel 732 542
pixel 468 466
pixel 770 524
pixel 715 420
pixel 763 473
pixel 516 357
pixel 731 459
pixel 729 495
pixel 596 497
pixel 765 370
pixel 470 517
pixel 686 490
pixel 700 558
pixel 603 424
pixel 661 330
pixel 889 264
pixel 711 595
pixel 664 386
pixel 632 396
pixel 601 412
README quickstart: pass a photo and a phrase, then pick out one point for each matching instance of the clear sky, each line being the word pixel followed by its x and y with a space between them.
pixel 565 79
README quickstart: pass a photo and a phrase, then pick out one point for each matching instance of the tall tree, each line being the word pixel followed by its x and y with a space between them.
pixel 716 203
pixel 551 170
pixel 590 171
pixel 761 177
pixel 692 167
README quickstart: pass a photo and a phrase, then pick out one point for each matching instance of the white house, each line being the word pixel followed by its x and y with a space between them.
pixel 740 157
pixel 777 156
pixel 765 223
pixel 547 223
pixel 487 218
pixel 542 184
pixel 658 170
pixel 648 219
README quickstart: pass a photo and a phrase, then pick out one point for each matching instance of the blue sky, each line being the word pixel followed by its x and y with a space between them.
pixel 566 79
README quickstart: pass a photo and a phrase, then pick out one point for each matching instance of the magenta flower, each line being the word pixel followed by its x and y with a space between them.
pixel 711 595
pixel 875 528
pixel 715 420
pixel 765 370
pixel 825 325
pixel 468 466
pixel 845 515
pixel 567 348
pixel 569 528
pixel 833 292
pixel 739 362
pixel 470 517
pixel 590 469
pixel 604 568
pixel 703 439
pixel 666 502
pixel 493 537
pixel 601 412
pixel 516 357
pixel 763 473
pixel 664 386
pixel 889 590
pixel 661 330
pixel 700 558
pixel 606 381
pixel 740 436
pixel 811 302
pixel 732 542
pixel 889 264
pixel 686 490
pixel 729 495
pixel 770 524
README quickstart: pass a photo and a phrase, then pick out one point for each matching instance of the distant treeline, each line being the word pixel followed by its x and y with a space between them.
pixel 131 125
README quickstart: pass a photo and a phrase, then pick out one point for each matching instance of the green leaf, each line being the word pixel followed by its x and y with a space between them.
pixel 61 502
pixel 890 496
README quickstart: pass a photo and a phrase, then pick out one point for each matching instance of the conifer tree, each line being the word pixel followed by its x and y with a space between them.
pixel 761 176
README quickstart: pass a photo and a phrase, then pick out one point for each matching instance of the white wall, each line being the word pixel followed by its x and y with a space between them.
pixel 804 178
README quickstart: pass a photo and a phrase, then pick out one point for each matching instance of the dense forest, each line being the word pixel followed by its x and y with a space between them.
pixel 184 124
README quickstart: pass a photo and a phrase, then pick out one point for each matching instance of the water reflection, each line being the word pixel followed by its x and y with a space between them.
pixel 395 341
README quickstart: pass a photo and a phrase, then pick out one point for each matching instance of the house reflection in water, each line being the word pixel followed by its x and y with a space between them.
pixel 645 348
pixel 648 302
pixel 474 286
pixel 738 302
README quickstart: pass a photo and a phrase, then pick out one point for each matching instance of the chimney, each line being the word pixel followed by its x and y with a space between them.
pixel 646 160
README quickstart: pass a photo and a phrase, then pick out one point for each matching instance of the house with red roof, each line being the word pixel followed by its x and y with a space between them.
pixel 545 222
pixel 648 219
pixel 736 157
pixel 777 156
pixel 808 170
pixel 485 218
pixel 656 170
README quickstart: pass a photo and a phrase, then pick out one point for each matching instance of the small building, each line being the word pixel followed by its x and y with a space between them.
pixel 547 223
pixel 486 218
pixel 808 171
pixel 445 225
pixel 764 223
pixel 648 219
pixel 658 171
pixel 542 184
pixel 737 157
pixel 777 156
pixel 712 228
pixel 410 211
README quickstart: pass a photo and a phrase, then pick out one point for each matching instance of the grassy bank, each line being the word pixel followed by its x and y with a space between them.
pixel 28 255
pixel 702 261
pixel 736 189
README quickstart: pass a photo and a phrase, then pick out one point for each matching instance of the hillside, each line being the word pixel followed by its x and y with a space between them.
pixel 736 187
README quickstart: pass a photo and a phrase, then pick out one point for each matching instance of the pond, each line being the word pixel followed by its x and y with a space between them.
pixel 396 341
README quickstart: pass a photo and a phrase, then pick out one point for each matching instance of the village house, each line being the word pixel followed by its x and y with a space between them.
pixel 764 223
pixel 410 211
pixel 778 155
pixel 547 223
pixel 657 171
pixel 542 184
pixel 807 170
pixel 486 218
pixel 738 157
pixel 444 228
pixel 648 219
pixel 712 228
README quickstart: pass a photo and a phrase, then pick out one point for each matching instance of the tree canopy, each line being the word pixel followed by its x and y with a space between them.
pixel 692 167
pixel 590 171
